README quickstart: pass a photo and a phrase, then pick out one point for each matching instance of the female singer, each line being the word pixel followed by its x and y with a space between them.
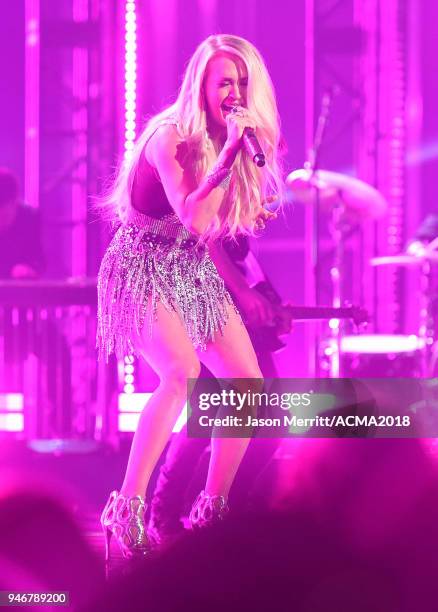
pixel 188 182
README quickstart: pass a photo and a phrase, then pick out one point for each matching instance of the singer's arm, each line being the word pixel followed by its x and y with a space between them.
pixel 195 204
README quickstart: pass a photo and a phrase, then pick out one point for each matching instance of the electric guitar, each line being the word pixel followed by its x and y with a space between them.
pixel 267 337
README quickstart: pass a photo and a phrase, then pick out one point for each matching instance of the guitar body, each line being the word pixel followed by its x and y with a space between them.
pixel 266 338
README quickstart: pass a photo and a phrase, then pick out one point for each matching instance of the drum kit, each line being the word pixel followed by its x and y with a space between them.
pixel 350 202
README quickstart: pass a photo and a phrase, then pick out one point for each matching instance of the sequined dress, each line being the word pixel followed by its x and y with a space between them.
pixel 151 260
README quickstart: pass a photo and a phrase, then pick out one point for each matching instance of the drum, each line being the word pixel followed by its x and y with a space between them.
pixel 381 356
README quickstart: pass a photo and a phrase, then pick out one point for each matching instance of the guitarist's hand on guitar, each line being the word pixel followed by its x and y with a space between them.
pixel 283 320
pixel 255 309
pixel 265 213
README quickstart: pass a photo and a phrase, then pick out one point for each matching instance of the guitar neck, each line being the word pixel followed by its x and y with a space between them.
pixel 306 313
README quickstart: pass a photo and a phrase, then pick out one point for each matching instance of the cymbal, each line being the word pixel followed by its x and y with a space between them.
pixel 361 200
pixel 405 260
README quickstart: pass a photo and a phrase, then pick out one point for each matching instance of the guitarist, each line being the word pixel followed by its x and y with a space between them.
pixel 259 303
pixel 265 317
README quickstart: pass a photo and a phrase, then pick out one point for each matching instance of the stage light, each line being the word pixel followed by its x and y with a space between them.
pixel 131 405
pixel 11 412
pixel 11 422
pixel 11 401
pixel 130 96
pixel 126 371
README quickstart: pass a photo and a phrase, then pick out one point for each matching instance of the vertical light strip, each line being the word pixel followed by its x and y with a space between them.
pixel 382 150
pixel 32 102
pixel 392 152
pixel 78 206
pixel 367 142
pixel 414 124
pixel 130 76
pixel 79 185
pixel 128 375
pixel 207 16
pixel 130 133
pixel 310 220
pixel 163 34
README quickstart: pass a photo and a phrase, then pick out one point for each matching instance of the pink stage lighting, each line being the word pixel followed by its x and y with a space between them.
pixel 11 412
pixel 131 405
pixel 130 76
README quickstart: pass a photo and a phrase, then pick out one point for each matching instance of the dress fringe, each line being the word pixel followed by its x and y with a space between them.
pixel 157 260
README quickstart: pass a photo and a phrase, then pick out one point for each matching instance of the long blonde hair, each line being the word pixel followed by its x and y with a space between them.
pixel 250 185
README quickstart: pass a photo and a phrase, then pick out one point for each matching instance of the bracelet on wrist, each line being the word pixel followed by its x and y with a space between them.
pixel 219 176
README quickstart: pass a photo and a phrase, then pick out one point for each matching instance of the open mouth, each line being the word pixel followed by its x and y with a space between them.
pixel 228 107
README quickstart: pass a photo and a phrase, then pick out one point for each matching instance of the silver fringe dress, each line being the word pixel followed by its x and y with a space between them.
pixel 153 260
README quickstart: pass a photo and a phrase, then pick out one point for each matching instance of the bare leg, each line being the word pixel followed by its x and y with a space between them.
pixel 170 353
pixel 230 355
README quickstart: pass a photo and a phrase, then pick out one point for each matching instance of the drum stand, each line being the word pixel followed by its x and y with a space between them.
pixel 426 331
pixel 335 277
pixel 427 334
pixel 337 228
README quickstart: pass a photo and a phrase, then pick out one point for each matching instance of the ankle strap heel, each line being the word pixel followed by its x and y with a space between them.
pixel 123 517
pixel 208 509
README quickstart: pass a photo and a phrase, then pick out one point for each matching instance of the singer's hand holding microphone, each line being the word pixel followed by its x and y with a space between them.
pixel 241 128
pixel 237 120
pixel 241 131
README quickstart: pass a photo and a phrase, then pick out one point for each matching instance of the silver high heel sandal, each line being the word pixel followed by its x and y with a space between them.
pixel 208 509
pixel 123 517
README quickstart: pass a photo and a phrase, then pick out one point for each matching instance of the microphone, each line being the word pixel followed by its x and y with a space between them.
pixel 253 147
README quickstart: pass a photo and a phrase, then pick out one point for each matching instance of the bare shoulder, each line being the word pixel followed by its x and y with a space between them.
pixel 164 143
pixel 166 151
